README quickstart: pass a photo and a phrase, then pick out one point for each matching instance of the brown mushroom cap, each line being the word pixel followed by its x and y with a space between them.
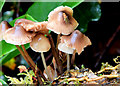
pixel 76 40
pixel 32 26
pixel 3 27
pixel 18 36
pixel 60 20
pixel 64 48
pixel 40 43
pixel 42 27
pixel 23 21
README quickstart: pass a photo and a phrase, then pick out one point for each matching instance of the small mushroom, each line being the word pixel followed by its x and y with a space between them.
pixel 3 27
pixel 41 44
pixel 61 21
pixel 42 27
pixel 33 26
pixel 63 47
pixel 75 42
pixel 18 36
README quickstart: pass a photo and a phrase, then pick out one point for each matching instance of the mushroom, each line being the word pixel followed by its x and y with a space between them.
pixel 3 27
pixel 33 26
pixel 18 36
pixel 61 21
pixel 41 44
pixel 75 42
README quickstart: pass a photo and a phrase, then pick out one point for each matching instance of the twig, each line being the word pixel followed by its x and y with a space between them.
pixel 18 7
pixel 48 57
pixel 108 45
pixel 107 68
pixel 115 60
pixel 89 80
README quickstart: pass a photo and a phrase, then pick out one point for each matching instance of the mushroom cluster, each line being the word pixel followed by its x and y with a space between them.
pixel 23 32
pixel 61 22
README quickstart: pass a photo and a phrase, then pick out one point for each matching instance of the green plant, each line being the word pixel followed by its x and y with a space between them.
pixel 28 79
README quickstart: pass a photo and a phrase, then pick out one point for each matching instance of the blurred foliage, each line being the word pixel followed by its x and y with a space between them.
pixel 26 16
pixel 6 48
pixel 3 79
pixel 11 54
pixel 7 16
pixel 2 76
pixel 1 4
pixel 86 12
pixel 11 64
pixel 3 83
pixel 28 79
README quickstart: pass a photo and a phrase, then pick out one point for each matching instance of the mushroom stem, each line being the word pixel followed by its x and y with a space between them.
pixel 45 66
pixel 73 57
pixel 28 57
pixel 55 67
pixel 32 62
pixel 58 40
pixel 68 62
pixel 56 56
pixel 22 53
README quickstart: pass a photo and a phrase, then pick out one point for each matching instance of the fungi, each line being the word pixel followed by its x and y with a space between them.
pixel 76 42
pixel 3 27
pixel 41 44
pixel 18 36
pixel 61 21
pixel 33 26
